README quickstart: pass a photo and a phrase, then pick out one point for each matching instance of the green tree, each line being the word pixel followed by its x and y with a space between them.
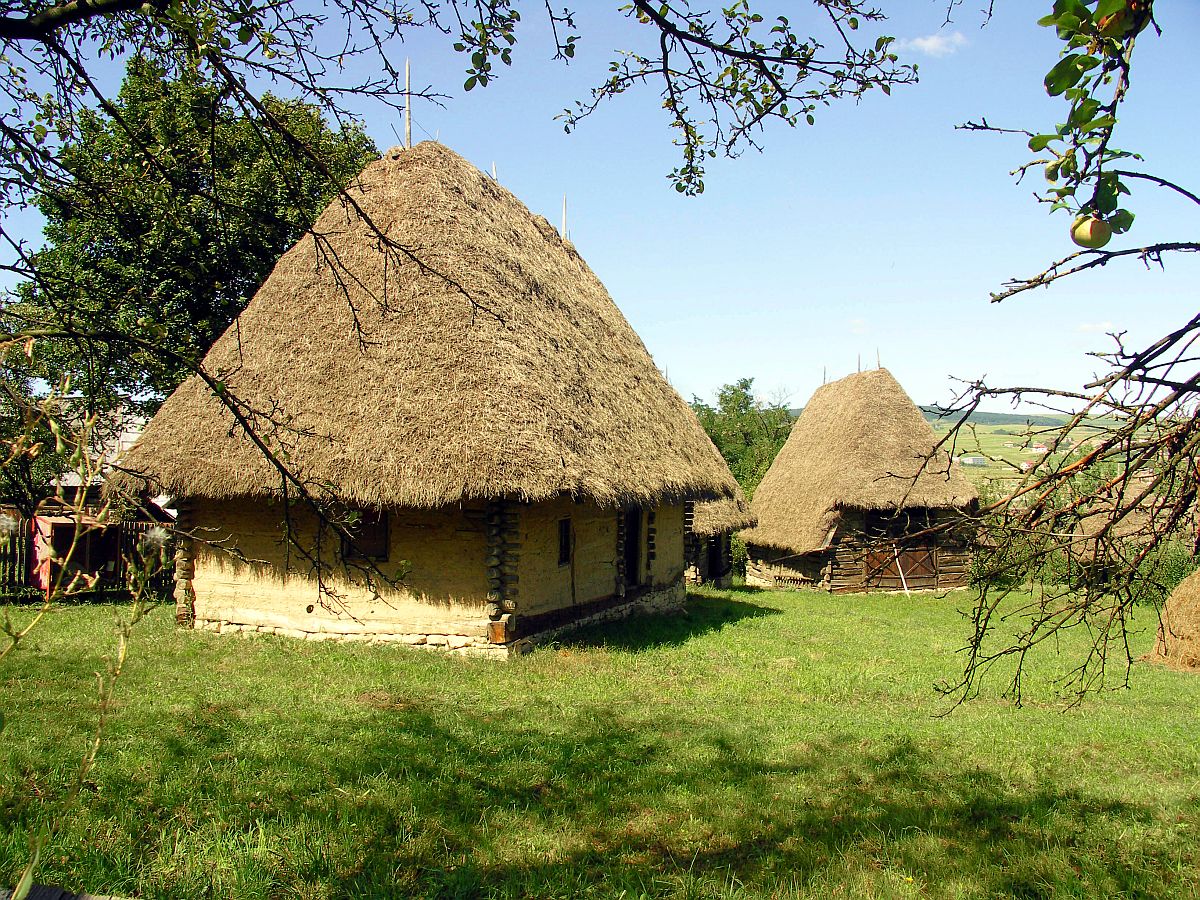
pixel 748 432
pixel 169 251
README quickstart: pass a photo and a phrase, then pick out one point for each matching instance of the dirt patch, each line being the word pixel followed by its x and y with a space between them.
pixel 384 700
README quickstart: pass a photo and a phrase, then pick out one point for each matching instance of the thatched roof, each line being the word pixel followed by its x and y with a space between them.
pixel 722 516
pixel 490 363
pixel 1179 633
pixel 860 443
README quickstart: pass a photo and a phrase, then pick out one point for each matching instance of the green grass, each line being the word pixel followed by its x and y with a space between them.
pixel 765 745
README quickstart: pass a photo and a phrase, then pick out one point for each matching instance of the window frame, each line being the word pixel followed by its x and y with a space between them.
pixel 566 542
pixel 380 521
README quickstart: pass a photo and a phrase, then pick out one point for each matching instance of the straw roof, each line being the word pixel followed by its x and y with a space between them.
pixel 490 363
pixel 860 443
pixel 722 516
pixel 1179 633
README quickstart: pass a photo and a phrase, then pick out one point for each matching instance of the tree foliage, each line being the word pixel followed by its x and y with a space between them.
pixel 171 251
pixel 1108 518
pixel 748 432
pixel 31 454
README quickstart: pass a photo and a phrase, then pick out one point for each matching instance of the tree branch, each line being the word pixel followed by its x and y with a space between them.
pixel 43 24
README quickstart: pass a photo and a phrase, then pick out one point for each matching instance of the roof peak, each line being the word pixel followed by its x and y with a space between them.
pixel 434 341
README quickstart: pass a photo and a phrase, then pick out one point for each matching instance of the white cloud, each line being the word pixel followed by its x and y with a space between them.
pixel 937 44
pixel 858 326
pixel 1096 327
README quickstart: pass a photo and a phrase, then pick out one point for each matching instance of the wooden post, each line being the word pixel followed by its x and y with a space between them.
pixel 407 108
pixel 185 566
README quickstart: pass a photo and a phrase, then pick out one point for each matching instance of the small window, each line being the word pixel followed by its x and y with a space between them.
pixel 370 531
pixel 564 542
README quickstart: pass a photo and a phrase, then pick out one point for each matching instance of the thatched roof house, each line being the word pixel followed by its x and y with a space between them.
pixel 1178 643
pixel 437 352
pixel 709 525
pixel 858 471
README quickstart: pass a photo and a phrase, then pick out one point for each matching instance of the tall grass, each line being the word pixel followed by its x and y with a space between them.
pixel 764 745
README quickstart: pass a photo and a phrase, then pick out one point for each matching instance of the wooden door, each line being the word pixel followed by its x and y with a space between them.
pixel 900 568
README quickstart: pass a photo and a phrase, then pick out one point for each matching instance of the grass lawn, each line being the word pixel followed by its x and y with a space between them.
pixel 765 745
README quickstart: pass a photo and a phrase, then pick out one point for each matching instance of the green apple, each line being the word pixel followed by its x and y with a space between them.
pixel 1090 232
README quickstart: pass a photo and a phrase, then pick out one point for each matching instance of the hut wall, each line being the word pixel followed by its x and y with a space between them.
pixel 769 567
pixel 443 599
pixel 854 564
pixel 942 562
pixel 441 602
pixel 591 576
pixel 667 566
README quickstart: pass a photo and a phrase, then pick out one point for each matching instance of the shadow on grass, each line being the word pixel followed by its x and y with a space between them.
pixel 704 613
pixel 419 800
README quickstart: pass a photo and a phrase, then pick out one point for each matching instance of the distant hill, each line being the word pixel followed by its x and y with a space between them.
pixel 936 414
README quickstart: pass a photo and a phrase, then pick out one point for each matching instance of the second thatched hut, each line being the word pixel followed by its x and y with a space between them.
pixel 859 500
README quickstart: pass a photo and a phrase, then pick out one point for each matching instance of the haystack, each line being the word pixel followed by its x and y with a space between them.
pixel 843 504
pixel 710 526
pixel 1178 642
pixel 439 357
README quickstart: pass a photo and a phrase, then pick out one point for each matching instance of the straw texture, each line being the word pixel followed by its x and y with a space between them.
pixel 496 366
pixel 860 443
pixel 1179 635
pixel 722 516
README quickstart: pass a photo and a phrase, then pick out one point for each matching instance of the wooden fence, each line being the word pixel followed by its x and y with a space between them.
pixel 17 564
pixel 15 553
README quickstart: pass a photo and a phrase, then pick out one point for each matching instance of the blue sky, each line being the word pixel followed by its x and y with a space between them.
pixel 878 232
pixel 881 230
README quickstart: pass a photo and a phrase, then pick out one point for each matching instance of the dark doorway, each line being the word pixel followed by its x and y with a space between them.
pixel 633 546
pixel 716 558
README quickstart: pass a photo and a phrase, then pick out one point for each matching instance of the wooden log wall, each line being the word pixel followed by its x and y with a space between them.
pixel 503 520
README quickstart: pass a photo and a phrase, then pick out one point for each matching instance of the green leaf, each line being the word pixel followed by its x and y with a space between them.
pixel 1040 142
pixel 25 884
pixel 1067 26
pixel 1098 123
pixel 1065 74
pixel 1105 199
pixel 470 83
pixel 1121 221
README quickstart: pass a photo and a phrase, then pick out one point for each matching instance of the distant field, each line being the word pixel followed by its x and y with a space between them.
pixel 766 745
pixel 989 441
